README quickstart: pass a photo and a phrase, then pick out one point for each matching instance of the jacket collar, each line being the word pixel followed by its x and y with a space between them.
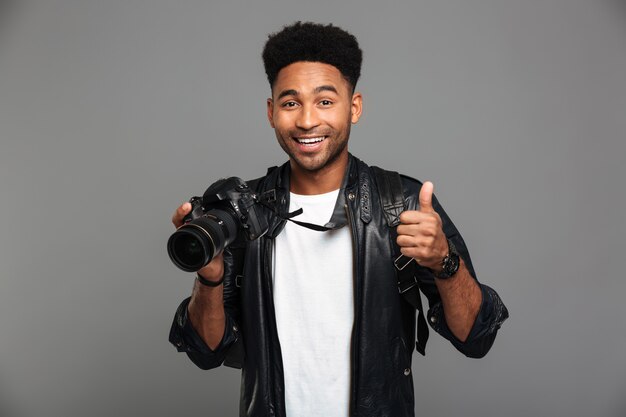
pixel 279 195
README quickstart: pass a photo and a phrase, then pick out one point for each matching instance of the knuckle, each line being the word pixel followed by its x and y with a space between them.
pixel 407 217
pixel 434 229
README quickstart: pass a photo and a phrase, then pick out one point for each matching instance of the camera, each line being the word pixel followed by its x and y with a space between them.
pixel 228 212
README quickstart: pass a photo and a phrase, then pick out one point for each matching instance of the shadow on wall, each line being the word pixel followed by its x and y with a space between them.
pixel 7 409
pixel 7 10
pixel 620 6
pixel 620 406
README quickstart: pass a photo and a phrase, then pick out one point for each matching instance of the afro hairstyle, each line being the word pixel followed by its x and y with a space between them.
pixel 313 42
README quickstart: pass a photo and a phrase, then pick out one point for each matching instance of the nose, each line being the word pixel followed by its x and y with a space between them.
pixel 307 118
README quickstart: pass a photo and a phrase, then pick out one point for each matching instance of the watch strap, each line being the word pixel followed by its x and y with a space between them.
pixel 208 283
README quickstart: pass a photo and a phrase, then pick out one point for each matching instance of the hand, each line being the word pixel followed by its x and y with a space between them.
pixel 420 234
pixel 214 270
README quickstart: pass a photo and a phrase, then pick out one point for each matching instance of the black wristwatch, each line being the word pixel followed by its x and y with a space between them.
pixel 450 263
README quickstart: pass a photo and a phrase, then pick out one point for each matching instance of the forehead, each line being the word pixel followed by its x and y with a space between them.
pixel 305 76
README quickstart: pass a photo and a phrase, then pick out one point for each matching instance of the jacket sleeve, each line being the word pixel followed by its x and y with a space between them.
pixel 492 312
pixel 229 351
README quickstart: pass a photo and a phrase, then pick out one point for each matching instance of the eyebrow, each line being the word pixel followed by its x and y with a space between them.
pixel 325 88
pixel 287 93
pixel 317 90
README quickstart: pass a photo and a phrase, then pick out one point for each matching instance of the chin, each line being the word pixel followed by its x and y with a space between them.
pixel 318 162
pixel 310 165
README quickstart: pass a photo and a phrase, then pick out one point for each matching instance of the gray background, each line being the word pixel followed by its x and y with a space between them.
pixel 113 112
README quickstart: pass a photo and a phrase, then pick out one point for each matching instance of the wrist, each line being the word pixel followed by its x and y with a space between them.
pixel 437 269
pixel 209 283
pixel 449 265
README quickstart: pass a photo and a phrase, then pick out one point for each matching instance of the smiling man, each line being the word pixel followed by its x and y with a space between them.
pixel 311 114
pixel 321 319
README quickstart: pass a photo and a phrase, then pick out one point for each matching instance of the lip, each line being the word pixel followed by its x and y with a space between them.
pixel 309 139
pixel 310 147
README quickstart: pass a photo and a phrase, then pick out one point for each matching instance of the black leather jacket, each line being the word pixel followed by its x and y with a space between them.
pixel 384 329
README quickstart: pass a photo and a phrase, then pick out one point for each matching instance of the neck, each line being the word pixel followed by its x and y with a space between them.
pixel 324 180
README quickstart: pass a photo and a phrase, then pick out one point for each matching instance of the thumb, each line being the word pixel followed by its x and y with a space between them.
pixel 426 197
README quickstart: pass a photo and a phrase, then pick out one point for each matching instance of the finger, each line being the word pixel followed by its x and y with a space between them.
pixel 181 212
pixel 426 197
pixel 421 229
pixel 425 232
pixel 413 217
pixel 423 242
pixel 418 246
pixel 405 241
pixel 411 252
pixel 407 229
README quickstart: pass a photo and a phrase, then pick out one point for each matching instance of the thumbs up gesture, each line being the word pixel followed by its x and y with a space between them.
pixel 420 234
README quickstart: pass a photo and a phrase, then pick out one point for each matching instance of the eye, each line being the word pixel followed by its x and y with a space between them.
pixel 326 102
pixel 289 104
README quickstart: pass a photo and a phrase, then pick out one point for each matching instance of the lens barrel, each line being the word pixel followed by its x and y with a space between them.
pixel 194 244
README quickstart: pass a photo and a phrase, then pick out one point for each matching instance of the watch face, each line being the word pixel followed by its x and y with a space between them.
pixel 450 263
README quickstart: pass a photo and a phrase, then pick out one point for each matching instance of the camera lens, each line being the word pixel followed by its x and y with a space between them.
pixel 194 244
pixel 188 250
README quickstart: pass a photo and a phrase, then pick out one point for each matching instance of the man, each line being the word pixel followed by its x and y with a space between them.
pixel 317 314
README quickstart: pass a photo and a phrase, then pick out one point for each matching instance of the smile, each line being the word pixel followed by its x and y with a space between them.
pixel 310 141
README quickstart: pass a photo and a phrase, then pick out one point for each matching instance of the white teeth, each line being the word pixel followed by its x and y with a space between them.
pixel 310 140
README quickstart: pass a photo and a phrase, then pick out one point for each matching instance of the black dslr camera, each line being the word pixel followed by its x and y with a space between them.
pixel 226 213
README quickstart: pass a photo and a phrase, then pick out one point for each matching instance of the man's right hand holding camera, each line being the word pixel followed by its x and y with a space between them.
pixel 206 308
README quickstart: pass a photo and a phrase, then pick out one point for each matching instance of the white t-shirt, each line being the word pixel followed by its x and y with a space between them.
pixel 314 301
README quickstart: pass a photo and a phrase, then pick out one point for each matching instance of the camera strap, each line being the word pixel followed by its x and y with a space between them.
pixel 289 217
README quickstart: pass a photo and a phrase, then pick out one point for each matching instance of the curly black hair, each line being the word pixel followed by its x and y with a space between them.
pixel 313 42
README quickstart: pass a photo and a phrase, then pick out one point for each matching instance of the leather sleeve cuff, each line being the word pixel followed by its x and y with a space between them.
pixel 185 338
pixel 490 317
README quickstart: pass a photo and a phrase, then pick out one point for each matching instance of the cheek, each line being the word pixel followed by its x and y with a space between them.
pixel 338 120
pixel 278 125
pixel 283 121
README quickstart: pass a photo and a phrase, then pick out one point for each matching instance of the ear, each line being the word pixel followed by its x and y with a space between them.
pixel 356 107
pixel 270 111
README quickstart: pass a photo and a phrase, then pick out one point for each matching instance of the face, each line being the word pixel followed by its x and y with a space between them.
pixel 311 109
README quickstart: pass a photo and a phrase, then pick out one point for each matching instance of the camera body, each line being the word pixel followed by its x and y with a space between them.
pixel 231 194
pixel 227 213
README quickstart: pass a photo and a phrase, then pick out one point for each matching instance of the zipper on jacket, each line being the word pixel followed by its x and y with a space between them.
pixel 355 330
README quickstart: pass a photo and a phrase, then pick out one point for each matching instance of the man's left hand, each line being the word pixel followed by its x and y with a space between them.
pixel 420 234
